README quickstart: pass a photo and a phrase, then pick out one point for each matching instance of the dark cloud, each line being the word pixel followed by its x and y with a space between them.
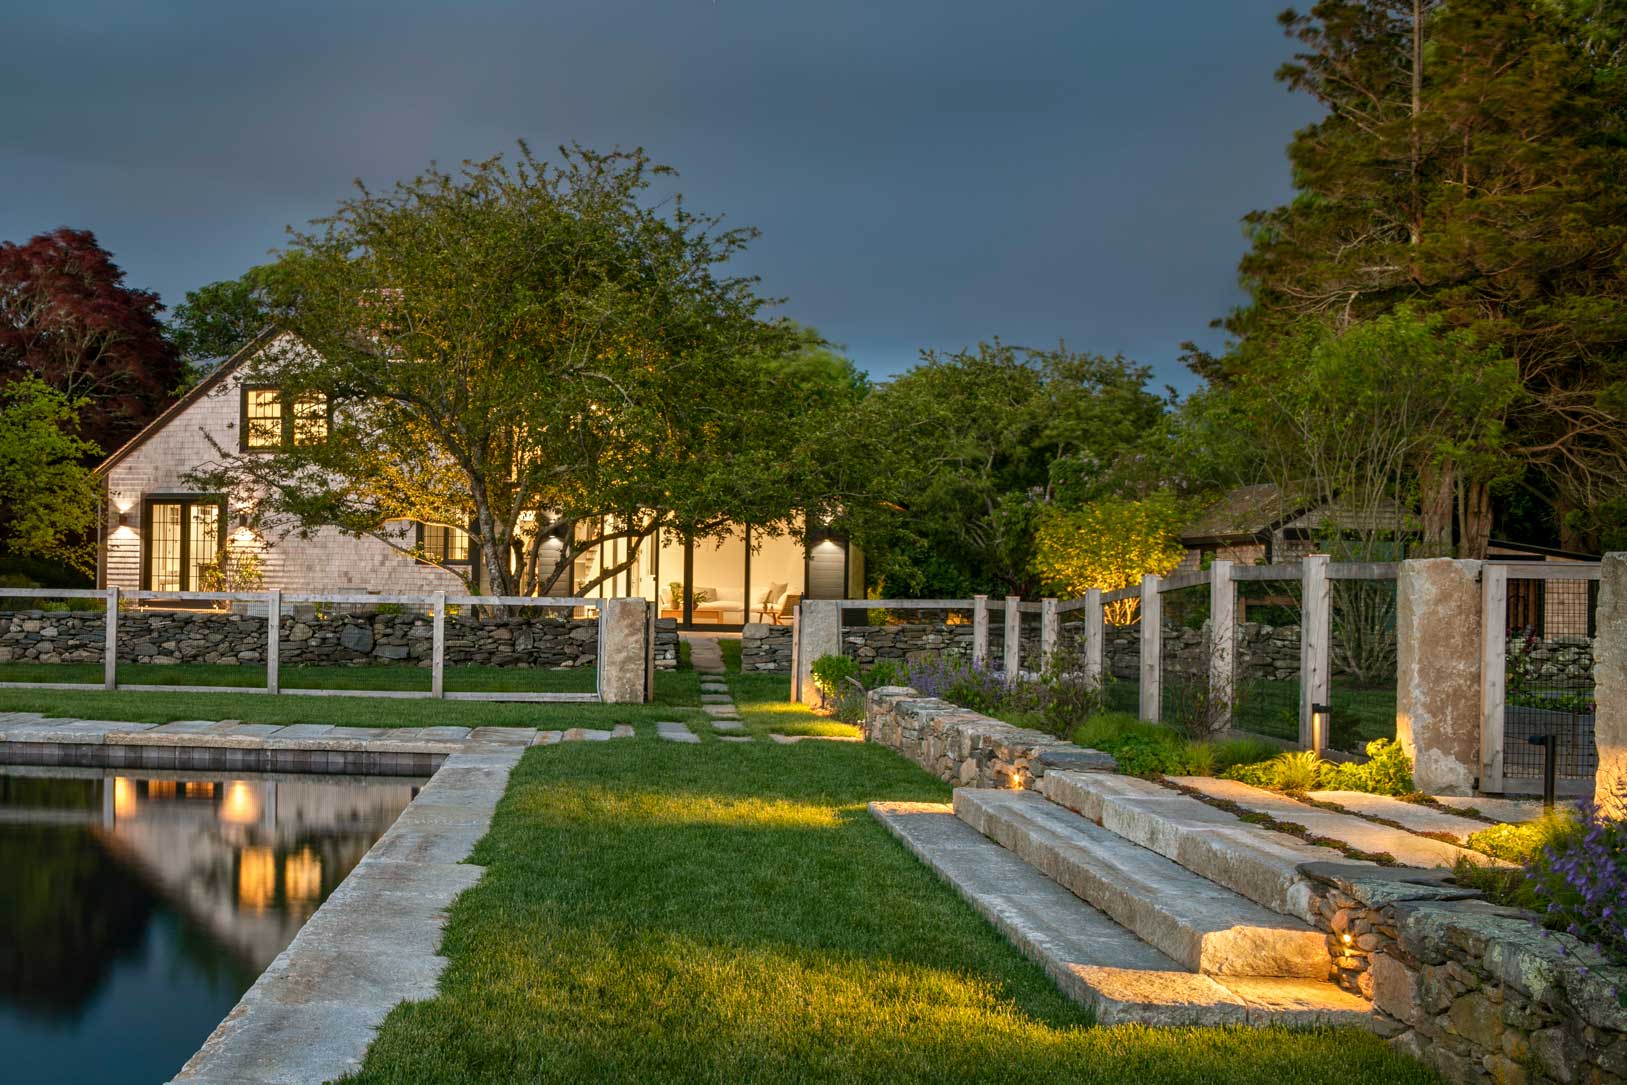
pixel 924 173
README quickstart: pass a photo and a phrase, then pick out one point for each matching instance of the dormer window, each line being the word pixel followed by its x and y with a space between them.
pixel 273 419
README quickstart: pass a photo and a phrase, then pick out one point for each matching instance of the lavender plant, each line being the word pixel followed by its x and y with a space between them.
pixel 1582 876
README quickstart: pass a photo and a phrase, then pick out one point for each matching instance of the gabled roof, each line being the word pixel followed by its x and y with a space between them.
pixel 197 392
pixel 1247 512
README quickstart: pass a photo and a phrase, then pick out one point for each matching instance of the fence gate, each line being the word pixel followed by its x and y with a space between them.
pixel 1538 626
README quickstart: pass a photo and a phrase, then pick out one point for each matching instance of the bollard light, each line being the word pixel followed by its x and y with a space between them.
pixel 1550 765
pixel 1321 727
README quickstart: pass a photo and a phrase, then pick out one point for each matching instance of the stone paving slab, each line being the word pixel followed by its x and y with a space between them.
pixel 585 734
pixel 727 710
pixel 1092 959
pixel 1415 816
pixel 1406 848
pixel 733 738
pixel 675 732
pixel 790 740
pixel 728 725
pixel 547 738
pixel 716 698
pixel 1508 811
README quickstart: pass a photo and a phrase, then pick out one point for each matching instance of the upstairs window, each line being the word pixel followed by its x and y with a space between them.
pixel 444 545
pixel 271 422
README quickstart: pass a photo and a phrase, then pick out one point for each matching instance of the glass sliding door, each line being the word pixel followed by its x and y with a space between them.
pixel 182 534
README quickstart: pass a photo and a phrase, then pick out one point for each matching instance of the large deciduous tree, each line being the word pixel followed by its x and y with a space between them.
pixel 67 318
pixel 535 350
pixel 1469 165
pixel 219 318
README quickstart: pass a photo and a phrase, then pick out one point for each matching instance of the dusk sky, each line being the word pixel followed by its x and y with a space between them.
pixel 924 173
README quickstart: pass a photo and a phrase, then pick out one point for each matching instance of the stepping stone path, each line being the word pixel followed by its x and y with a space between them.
pixel 583 734
pixel 676 732
pixel 706 656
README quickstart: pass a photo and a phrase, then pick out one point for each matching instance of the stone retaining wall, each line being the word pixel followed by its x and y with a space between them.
pixel 1481 993
pixel 312 636
pixel 965 747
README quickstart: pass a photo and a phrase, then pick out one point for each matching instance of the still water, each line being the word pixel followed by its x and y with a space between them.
pixel 137 907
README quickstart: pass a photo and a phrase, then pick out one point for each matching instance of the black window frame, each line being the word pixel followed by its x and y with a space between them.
pixel 185 500
pixel 420 541
pixel 286 413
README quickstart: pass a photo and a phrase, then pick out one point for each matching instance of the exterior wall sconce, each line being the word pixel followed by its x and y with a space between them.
pixel 1321 725
pixel 124 519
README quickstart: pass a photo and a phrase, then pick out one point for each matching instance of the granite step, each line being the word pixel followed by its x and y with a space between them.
pixel 1256 863
pixel 1202 926
pixel 1094 960
pixel 1408 849
pixel 1507 811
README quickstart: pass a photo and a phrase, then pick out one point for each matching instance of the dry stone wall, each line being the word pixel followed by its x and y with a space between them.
pixel 311 636
pixel 965 747
pixel 1481 993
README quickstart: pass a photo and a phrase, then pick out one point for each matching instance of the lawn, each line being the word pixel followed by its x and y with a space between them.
pixel 676 695
pixel 654 912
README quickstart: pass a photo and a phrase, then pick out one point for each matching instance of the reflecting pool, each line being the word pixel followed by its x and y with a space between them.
pixel 136 907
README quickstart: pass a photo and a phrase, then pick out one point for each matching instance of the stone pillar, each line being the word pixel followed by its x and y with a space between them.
pixel 623 624
pixel 819 634
pixel 1437 682
pixel 1610 682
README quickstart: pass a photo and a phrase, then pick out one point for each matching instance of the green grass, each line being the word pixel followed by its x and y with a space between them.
pixel 765 706
pixel 659 913
pixel 730 647
pixel 676 696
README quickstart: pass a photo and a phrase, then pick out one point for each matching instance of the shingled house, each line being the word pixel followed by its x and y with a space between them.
pixel 160 534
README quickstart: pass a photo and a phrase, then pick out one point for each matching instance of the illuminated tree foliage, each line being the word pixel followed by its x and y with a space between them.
pixel 1109 543
pixel 48 495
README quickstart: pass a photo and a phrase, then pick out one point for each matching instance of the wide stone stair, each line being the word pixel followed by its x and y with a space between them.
pixel 1148 904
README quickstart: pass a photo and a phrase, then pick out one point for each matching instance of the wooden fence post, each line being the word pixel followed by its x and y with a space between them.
pixel 1493 673
pixel 1095 635
pixel 1050 630
pixel 1222 643
pixel 437 658
pixel 1315 641
pixel 1014 634
pixel 980 631
pixel 273 640
pixel 110 642
pixel 1152 635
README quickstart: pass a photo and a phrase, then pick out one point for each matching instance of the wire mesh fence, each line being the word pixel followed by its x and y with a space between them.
pixel 1267 669
pixel 1362 662
pixel 1551 623
pixel 1186 701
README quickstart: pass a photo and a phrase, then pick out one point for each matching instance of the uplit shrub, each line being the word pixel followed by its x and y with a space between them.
pixel 1388 771
pixel 1581 876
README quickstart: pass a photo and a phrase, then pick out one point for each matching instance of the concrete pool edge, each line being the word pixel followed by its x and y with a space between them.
pixel 374 943
pixel 314 1011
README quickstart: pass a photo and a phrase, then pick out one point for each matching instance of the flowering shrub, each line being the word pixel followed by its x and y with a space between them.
pixel 957 679
pixel 1581 877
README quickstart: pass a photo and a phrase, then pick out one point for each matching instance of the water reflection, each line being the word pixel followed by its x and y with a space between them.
pixel 135 908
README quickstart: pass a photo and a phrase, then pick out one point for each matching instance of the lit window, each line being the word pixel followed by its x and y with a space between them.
pixel 266 425
pixel 444 545
pixel 262 418
pixel 310 418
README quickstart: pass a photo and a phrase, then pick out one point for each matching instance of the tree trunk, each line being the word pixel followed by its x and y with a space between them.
pixel 1435 492
pixel 1476 520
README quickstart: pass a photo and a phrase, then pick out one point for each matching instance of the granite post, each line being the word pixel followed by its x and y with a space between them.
pixel 1437 694
pixel 624 624
pixel 819 633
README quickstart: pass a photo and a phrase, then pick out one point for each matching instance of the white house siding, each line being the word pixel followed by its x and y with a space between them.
pixel 329 560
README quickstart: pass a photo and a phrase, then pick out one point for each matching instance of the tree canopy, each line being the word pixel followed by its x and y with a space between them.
pixel 1468 166
pixel 67 318
pixel 48 495
pixel 534 349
